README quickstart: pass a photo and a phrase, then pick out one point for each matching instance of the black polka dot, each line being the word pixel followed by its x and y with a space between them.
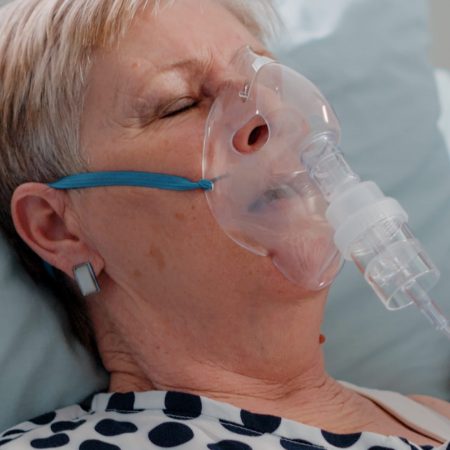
pixel 297 444
pixel 253 424
pixel 380 447
pixel 180 405
pixel 122 403
pixel 341 440
pixel 109 427
pixel 238 429
pixel 229 445
pixel 427 447
pixel 170 434
pixel 413 447
pixel 11 432
pixel 86 404
pixel 55 441
pixel 5 441
pixel 94 444
pixel 57 427
pixel 45 419
pixel 260 422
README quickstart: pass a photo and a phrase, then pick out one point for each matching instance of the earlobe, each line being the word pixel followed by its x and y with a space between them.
pixel 40 217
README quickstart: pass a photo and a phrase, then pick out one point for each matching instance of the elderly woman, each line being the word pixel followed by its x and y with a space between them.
pixel 207 344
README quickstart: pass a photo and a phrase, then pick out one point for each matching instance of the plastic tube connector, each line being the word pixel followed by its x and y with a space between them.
pixel 428 308
pixel 372 231
pixel 357 210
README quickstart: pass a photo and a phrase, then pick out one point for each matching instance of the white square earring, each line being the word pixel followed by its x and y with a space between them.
pixel 86 280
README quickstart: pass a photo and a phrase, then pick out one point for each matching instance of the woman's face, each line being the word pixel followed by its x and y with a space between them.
pixel 145 110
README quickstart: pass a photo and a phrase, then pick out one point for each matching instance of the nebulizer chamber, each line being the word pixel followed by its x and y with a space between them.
pixel 300 156
pixel 372 231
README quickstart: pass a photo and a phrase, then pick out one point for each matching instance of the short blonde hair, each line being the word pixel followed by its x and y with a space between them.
pixel 46 48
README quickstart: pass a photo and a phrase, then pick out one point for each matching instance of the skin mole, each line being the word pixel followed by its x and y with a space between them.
pixel 137 273
pixel 156 254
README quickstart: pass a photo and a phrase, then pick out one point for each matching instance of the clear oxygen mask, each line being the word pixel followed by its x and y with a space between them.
pixel 283 189
pixel 263 197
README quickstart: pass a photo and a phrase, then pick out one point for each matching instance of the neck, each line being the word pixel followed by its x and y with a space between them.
pixel 311 397
pixel 256 356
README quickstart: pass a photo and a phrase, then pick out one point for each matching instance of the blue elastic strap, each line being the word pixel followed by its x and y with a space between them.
pixel 136 179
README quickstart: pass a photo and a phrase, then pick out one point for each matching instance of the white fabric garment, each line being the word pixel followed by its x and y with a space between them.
pixel 170 419
pixel 411 413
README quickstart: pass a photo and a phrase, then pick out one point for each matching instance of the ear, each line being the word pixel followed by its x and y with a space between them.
pixel 44 219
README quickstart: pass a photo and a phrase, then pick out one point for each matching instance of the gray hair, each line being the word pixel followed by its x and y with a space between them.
pixel 45 57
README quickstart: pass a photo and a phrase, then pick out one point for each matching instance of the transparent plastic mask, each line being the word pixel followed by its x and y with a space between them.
pixel 263 198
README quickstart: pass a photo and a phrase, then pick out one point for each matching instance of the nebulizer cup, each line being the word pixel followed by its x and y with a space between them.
pixel 372 231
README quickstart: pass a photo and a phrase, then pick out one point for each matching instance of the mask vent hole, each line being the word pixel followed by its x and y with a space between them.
pixel 252 136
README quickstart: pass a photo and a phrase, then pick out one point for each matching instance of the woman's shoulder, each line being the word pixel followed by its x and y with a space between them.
pixel 51 424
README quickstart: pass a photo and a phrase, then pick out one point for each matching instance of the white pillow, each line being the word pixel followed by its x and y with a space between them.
pixel 443 84
pixel 42 367
pixel 371 61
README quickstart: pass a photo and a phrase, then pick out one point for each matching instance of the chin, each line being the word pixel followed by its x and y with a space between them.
pixel 275 282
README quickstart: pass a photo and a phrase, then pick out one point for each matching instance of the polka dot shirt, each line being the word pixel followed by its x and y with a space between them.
pixel 157 420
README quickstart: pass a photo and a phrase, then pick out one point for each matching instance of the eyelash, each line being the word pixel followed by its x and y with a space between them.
pixel 192 104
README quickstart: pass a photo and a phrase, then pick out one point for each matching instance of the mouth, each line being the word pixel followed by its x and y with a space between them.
pixel 270 197
pixel 290 191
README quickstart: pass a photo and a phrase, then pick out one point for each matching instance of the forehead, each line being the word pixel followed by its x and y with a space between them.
pixel 186 29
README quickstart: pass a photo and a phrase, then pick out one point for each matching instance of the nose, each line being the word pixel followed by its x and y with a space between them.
pixel 252 136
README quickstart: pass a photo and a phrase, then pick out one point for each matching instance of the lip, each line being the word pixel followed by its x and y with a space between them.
pixel 272 198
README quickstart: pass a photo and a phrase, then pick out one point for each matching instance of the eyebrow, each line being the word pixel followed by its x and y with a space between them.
pixel 202 66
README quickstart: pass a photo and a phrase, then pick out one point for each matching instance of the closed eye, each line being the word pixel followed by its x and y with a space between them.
pixel 178 107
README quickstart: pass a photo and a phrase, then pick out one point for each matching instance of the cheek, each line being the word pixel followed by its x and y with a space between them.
pixel 181 151
pixel 202 256
pixel 150 237
pixel 136 228
pixel 169 244
pixel 120 223
pixel 171 146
